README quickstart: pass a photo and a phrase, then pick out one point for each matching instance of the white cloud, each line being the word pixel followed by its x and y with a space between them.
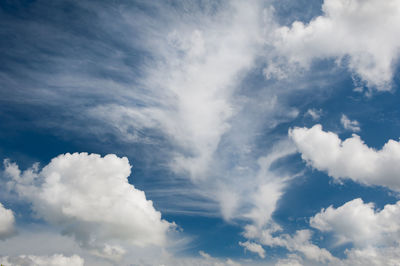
pixel 89 197
pixel 352 125
pixel 204 254
pixel 291 260
pixel 314 113
pixel 263 202
pixel 253 247
pixel 31 260
pixel 276 71
pixel 374 234
pixel 299 242
pixel 270 186
pixel 362 33
pixel 372 256
pixel 7 221
pixel 52 242
pixel 190 89
pixel 350 158
pixel 189 96
pixel 177 85
pixel 360 223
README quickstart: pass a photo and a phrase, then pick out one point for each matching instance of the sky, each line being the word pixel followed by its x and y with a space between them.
pixel 183 132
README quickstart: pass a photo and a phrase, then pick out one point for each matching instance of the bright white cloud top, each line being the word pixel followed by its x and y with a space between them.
pixel 373 233
pixel 89 197
pixel 360 223
pixel 350 158
pixel 360 33
pixel 7 221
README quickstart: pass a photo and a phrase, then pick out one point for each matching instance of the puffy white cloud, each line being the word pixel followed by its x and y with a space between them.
pixel 31 260
pixel 350 158
pixel 362 33
pixel 89 197
pixel 7 221
pixel 253 247
pixel 374 234
pixel 352 125
pixel 360 223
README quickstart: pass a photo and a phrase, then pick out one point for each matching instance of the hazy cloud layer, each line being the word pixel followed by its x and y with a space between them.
pixel 54 260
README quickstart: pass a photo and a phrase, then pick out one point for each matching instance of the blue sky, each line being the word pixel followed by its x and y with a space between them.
pixel 199 132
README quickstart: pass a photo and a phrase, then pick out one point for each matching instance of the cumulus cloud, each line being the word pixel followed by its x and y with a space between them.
pixel 7 221
pixel 350 158
pixel 348 124
pixel 89 197
pixel 362 34
pixel 31 260
pixel 360 223
pixel 374 234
